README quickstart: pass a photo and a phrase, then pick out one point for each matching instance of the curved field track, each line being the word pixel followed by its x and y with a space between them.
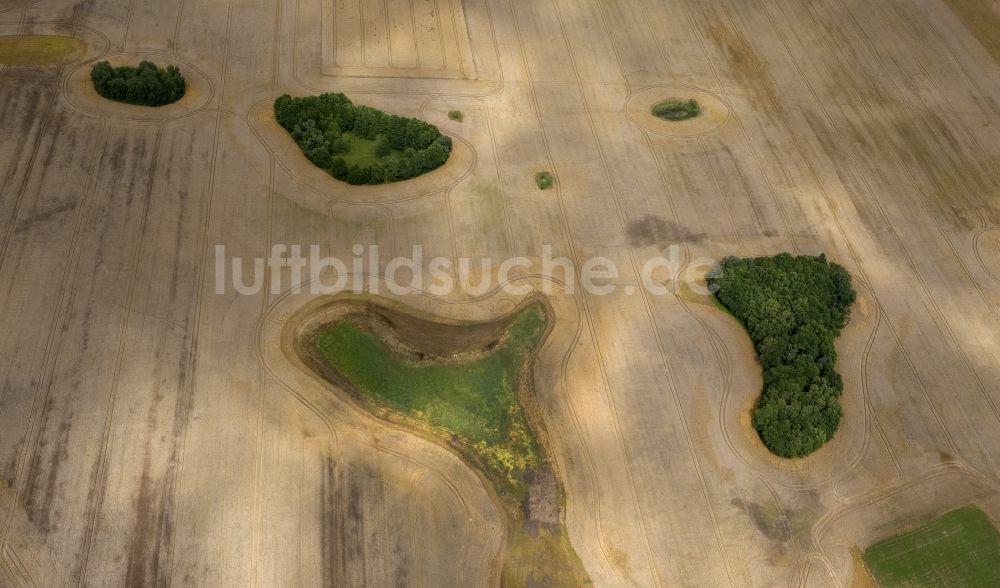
pixel 152 434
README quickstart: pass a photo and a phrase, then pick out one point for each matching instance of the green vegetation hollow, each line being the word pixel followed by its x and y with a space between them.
pixel 793 308
pixel 469 388
pixel 959 548
pixel 146 85
pixel 359 144
pixel 456 115
pixel 676 109
pixel 474 399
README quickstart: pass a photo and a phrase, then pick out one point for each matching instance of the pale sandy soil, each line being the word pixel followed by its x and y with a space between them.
pixel 152 432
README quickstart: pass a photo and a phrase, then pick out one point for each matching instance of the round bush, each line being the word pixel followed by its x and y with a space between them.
pixel 544 180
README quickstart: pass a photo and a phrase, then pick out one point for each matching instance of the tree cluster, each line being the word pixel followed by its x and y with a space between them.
pixel 793 309
pixel 325 127
pixel 146 85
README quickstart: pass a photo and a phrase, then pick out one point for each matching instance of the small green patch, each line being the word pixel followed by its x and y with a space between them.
pixel 676 109
pixel 544 180
pixel 475 398
pixel 960 548
pixel 37 49
pixel 358 144
pixel 456 115
pixel 146 85
pixel 363 152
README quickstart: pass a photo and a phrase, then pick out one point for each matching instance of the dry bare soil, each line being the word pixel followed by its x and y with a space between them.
pixel 155 432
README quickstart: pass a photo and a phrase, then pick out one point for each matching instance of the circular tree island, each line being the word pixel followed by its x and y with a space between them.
pixel 146 85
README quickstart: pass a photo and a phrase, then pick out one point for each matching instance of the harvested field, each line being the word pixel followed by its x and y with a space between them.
pixel 154 431
pixel 396 38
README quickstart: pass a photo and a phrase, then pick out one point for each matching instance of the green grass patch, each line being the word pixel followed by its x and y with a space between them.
pixel 363 152
pixel 960 548
pixel 676 109
pixel 474 397
pixel 793 308
pixel 37 49
pixel 456 115
pixel 544 180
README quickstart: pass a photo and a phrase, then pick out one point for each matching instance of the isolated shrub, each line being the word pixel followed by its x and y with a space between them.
pixel 676 109
pixel 326 126
pixel 146 85
pixel 793 308
pixel 456 115
pixel 544 180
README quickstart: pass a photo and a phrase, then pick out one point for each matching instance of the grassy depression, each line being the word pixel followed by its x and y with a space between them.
pixel 960 548
pixel 363 152
pixel 38 49
pixel 474 397
pixel 467 386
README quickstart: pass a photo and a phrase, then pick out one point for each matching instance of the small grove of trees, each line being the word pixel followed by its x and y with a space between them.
pixel 323 127
pixel 146 85
pixel 793 309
